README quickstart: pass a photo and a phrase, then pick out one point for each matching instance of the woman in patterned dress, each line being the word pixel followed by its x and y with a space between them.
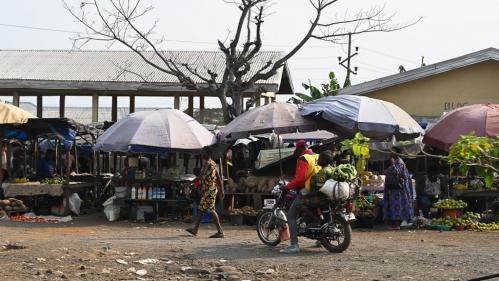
pixel 211 186
pixel 397 203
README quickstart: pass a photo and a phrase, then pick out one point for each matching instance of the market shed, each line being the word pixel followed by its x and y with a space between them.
pixel 119 73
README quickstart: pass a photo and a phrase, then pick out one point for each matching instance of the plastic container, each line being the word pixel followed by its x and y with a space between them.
pixel 452 213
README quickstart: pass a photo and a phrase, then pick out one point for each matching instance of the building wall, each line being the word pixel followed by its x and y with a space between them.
pixel 431 96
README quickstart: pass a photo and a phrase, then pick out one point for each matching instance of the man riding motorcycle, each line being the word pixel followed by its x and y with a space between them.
pixel 315 176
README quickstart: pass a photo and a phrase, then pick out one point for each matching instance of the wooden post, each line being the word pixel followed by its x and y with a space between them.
pixel 190 108
pixel 114 108
pixel 62 106
pixel 176 102
pixel 95 108
pixel 39 106
pixel 15 99
pixel 201 109
pixel 132 104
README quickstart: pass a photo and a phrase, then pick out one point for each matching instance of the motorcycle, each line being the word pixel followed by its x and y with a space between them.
pixel 329 224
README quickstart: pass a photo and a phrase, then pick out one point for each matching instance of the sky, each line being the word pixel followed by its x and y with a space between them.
pixel 448 28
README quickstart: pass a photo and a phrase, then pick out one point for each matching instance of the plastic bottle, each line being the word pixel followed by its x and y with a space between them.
pixel 149 193
pixel 163 193
pixel 155 192
pixel 133 194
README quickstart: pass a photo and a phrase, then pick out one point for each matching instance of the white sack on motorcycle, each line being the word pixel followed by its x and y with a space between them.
pixel 337 191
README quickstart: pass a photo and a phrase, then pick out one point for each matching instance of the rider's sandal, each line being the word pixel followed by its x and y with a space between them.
pixel 218 235
pixel 191 231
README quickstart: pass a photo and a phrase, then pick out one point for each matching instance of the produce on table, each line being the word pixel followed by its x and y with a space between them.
pixel 246 210
pixel 20 180
pixel 361 202
pixel 344 172
pixel 55 180
pixel 450 204
pixel 460 186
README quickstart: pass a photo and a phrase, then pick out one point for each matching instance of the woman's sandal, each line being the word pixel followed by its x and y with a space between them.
pixel 191 231
pixel 218 235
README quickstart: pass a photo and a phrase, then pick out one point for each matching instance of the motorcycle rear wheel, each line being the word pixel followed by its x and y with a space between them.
pixel 337 241
pixel 268 229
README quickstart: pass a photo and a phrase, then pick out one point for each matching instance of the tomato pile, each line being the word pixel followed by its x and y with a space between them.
pixel 22 218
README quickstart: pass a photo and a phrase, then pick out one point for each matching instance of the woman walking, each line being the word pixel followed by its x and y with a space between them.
pixel 211 185
pixel 398 191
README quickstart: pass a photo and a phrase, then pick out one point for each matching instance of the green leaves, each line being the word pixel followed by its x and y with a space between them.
pixel 329 89
pixel 480 152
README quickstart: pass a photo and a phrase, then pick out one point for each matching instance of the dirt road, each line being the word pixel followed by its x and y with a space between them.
pixel 90 248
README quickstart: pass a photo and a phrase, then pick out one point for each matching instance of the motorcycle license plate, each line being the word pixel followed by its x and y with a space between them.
pixel 349 217
pixel 268 203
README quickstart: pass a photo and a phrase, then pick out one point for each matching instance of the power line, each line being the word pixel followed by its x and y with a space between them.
pixel 390 56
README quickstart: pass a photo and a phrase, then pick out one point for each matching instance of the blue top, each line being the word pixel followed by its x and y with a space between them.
pixel 46 169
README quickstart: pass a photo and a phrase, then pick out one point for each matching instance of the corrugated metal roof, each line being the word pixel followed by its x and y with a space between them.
pixel 90 68
pixel 415 74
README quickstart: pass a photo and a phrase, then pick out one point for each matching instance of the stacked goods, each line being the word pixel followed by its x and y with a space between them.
pixel 12 205
pixel 468 221
pixel 344 172
pixel 253 184
pixel 20 180
pixel 450 204
pixel 246 210
pixel 55 180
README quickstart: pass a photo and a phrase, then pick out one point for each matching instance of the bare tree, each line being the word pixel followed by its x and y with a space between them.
pixel 117 21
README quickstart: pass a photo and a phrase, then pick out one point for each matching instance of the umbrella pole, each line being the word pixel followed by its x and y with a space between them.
pixel 280 155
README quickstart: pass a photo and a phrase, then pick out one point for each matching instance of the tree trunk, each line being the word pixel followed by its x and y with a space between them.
pixel 225 108
pixel 237 103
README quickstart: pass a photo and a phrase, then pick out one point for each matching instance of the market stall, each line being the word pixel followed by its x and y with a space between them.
pixel 39 136
pixel 154 143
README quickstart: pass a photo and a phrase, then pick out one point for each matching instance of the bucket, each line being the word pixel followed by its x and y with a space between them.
pixel 236 219
pixel 206 217
pixel 452 213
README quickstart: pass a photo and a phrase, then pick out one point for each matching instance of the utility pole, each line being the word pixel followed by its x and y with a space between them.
pixel 347 60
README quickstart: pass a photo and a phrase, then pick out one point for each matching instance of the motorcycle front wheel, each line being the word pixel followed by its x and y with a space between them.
pixel 268 229
pixel 338 236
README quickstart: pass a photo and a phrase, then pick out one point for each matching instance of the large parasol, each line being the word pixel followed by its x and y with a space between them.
pixel 10 114
pixel 155 131
pixel 377 119
pixel 275 117
pixel 482 119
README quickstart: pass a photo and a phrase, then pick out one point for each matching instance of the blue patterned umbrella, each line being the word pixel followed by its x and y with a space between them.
pixel 347 115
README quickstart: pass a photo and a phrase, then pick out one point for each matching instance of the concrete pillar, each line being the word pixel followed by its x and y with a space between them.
pixel 176 102
pixel 39 106
pixel 114 108
pixel 201 109
pixel 16 99
pixel 190 108
pixel 132 104
pixel 267 100
pixel 62 106
pixel 258 100
pixel 95 108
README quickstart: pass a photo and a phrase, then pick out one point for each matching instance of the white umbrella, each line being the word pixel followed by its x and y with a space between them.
pixel 155 131
pixel 347 115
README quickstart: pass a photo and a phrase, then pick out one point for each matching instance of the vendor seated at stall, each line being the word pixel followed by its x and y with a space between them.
pixel 46 166
pixel 429 189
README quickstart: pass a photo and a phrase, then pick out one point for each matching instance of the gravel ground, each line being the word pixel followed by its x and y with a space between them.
pixel 90 248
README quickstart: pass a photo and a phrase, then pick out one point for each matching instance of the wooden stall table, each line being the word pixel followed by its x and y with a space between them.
pixel 256 199
pixel 35 189
pixel 487 195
